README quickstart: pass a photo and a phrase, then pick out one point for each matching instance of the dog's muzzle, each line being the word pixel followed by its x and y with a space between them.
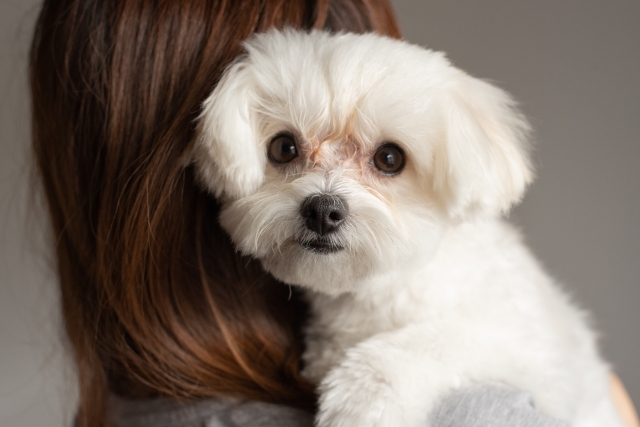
pixel 323 214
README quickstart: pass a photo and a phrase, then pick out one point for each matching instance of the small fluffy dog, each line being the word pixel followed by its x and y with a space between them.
pixel 373 173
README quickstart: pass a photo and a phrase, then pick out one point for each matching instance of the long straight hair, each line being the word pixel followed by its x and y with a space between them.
pixel 155 300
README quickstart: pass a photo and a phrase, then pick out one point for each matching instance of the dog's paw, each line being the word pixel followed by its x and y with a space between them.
pixel 359 393
pixel 348 400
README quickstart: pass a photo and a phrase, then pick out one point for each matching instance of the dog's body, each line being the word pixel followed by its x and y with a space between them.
pixel 481 310
pixel 373 173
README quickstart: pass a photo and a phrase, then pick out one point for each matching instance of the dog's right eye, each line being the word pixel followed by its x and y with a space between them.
pixel 282 148
pixel 389 159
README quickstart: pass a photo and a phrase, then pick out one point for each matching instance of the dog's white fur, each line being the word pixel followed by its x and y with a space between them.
pixel 432 291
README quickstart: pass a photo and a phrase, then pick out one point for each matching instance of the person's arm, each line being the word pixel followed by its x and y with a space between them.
pixel 623 402
pixel 490 404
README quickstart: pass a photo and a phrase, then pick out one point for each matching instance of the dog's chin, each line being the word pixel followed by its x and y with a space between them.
pixel 321 246
pixel 318 265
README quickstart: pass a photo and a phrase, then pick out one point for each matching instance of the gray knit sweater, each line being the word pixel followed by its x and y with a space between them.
pixel 477 406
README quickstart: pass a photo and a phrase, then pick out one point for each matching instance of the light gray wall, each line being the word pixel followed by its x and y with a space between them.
pixel 36 382
pixel 575 68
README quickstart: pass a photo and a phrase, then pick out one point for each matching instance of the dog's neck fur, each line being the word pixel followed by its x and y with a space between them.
pixel 420 295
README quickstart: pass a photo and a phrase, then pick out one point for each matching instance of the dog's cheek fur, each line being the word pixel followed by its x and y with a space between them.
pixel 260 224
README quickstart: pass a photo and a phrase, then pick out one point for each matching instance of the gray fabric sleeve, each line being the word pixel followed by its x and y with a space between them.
pixel 483 405
pixel 490 405
pixel 207 413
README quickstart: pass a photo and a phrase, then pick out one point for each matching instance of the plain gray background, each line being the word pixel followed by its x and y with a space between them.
pixel 573 65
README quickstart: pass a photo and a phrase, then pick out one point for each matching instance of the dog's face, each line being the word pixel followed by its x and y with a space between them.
pixel 341 159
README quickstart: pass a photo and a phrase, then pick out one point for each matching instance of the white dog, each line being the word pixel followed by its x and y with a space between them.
pixel 373 173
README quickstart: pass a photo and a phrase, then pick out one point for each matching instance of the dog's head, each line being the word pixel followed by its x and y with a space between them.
pixel 340 159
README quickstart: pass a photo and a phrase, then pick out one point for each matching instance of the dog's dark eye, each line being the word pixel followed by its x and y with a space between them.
pixel 389 159
pixel 282 148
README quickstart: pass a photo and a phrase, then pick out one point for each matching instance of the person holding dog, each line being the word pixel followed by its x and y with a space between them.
pixel 167 323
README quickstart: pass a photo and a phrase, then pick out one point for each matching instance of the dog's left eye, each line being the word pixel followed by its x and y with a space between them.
pixel 389 159
pixel 282 148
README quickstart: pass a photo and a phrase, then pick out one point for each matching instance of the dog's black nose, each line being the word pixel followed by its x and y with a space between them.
pixel 324 214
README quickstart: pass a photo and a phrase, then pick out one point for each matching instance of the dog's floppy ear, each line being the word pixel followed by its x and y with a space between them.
pixel 226 153
pixel 482 165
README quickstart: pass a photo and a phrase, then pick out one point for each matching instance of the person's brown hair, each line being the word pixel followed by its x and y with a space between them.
pixel 155 300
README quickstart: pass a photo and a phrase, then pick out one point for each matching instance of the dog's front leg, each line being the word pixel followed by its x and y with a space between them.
pixel 394 379
pixel 390 380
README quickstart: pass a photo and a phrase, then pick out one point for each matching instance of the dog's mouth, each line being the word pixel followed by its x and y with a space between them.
pixel 321 246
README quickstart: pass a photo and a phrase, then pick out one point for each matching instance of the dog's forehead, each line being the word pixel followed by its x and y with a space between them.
pixel 343 87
